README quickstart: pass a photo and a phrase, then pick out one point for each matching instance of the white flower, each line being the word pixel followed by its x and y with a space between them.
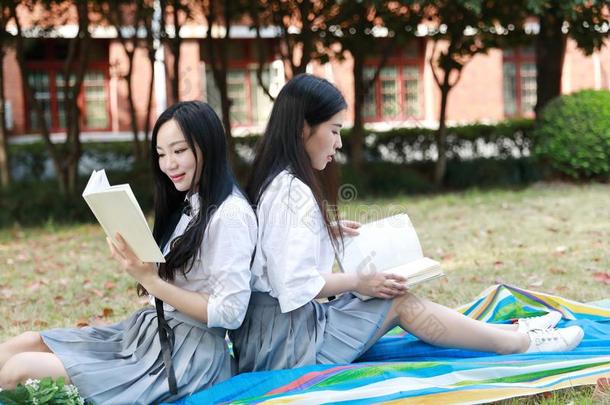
pixel 33 383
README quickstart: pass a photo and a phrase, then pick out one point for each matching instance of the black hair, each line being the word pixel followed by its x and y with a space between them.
pixel 304 99
pixel 202 130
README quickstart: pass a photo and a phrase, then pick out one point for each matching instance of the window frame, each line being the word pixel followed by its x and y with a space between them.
pixel 52 69
pixel 518 57
pixel 245 64
pixel 398 61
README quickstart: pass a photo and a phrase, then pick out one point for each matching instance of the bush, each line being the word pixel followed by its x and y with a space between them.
pixel 508 139
pixel 573 134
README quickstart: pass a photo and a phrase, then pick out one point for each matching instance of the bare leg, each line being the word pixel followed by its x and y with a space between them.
pixel 26 342
pixel 442 326
pixel 36 365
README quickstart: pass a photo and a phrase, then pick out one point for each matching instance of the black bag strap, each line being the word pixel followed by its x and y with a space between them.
pixel 165 332
pixel 166 337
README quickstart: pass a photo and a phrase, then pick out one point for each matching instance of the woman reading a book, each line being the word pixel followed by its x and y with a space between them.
pixel 285 325
pixel 207 231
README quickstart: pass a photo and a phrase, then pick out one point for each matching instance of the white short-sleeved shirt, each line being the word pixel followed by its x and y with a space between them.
pixel 222 268
pixel 293 248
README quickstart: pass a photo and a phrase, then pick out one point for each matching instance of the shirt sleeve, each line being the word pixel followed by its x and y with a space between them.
pixel 291 241
pixel 231 238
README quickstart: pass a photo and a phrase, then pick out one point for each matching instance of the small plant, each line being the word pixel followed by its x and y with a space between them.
pixel 44 391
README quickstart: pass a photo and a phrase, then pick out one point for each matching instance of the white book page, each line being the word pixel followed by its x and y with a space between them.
pixel 381 245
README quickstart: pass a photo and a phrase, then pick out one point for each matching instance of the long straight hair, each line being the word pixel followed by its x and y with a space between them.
pixel 202 130
pixel 303 99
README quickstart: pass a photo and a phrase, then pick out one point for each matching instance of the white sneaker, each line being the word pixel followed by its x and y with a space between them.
pixel 554 340
pixel 539 322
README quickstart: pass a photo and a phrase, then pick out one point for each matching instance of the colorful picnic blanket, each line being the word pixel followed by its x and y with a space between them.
pixel 400 366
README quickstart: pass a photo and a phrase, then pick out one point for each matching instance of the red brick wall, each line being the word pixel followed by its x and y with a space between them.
pixel 13 91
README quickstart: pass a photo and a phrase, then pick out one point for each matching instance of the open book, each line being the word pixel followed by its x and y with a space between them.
pixel 117 210
pixel 389 245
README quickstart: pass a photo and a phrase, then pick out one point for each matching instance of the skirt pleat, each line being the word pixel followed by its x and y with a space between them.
pixel 335 332
pixel 122 363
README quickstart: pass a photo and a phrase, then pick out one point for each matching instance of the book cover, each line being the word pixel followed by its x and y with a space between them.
pixel 117 210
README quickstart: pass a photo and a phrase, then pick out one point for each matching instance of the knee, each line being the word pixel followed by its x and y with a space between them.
pixel 407 308
pixel 12 373
pixel 32 341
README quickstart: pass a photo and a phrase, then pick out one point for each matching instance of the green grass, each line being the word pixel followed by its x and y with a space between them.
pixel 548 237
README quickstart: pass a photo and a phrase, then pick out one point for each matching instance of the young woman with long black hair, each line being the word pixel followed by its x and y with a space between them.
pixel 207 232
pixel 285 326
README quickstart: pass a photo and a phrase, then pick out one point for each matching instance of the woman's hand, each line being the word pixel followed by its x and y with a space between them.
pixel 381 285
pixel 349 228
pixel 122 252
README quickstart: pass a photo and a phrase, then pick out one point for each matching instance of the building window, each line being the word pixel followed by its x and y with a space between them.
pixel 48 87
pixel 519 82
pixel 395 95
pixel 96 100
pixel 250 105
pixel 46 78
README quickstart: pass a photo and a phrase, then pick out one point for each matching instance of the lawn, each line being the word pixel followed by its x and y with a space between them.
pixel 548 237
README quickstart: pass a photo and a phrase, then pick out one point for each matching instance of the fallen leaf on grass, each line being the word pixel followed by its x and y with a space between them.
pixel 556 270
pixel 109 285
pixel 601 394
pixel 82 323
pixel 107 312
pixel 40 323
pixel 34 286
pixel 498 263
pixel 97 292
pixel 602 277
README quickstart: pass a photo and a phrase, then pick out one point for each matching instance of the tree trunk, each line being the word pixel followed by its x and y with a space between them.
pixel 137 152
pixel 440 166
pixel 79 53
pixel 550 51
pixel 151 89
pixel 357 136
pixel 5 171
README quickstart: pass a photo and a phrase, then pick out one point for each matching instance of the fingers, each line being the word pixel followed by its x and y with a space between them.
pixel 349 231
pixel 114 251
pixel 124 248
pixel 396 277
pixel 349 228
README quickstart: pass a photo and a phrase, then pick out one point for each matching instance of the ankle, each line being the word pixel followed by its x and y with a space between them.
pixel 518 343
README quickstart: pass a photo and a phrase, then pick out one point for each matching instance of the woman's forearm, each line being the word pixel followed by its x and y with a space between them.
pixel 191 303
pixel 338 283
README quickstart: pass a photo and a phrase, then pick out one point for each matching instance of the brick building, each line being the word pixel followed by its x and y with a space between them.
pixel 493 86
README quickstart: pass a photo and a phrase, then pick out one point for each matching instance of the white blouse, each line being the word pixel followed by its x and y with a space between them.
pixel 222 268
pixel 294 248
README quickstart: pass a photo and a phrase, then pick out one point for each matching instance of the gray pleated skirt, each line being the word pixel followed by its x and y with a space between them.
pixel 334 332
pixel 122 363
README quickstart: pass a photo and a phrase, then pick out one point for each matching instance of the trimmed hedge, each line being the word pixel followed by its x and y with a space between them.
pixel 400 161
pixel 573 134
